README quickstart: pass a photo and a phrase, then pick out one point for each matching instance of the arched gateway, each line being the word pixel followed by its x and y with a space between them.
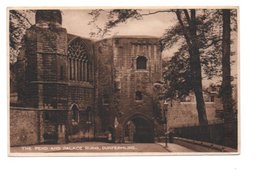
pixel 138 129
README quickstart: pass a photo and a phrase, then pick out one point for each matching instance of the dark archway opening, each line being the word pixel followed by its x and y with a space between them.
pixel 139 130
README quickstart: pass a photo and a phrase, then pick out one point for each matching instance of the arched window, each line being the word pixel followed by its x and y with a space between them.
pixel 75 114
pixel 89 115
pixel 141 62
pixel 80 66
pixel 61 73
pixel 138 95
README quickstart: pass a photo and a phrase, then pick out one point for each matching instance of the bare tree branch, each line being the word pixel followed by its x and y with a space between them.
pixel 159 11
pixel 187 15
pixel 185 32
pixel 20 15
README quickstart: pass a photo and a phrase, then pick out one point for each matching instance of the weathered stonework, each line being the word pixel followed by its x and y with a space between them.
pixel 118 79
pixel 44 82
pixel 24 127
pixel 76 89
pixel 183 114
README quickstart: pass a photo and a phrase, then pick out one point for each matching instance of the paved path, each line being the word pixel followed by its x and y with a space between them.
pixel 176 148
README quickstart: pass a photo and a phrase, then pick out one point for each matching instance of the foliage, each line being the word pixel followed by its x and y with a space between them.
pixel 18 23
pixel 178 75
pixel 114 17
pixel 209 33
pixel 209 38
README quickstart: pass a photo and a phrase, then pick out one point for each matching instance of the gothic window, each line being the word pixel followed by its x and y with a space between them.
pixel 138 95
pixel 80 67
pixel 75 114
pixel 141 62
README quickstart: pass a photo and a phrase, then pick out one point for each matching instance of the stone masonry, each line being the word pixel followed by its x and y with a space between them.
pixel 82 89
pixel 71 88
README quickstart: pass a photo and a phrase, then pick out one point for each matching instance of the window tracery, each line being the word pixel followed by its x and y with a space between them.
pixel 80 65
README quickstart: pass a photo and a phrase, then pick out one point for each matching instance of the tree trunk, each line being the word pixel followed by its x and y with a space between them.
pixel 196 70
pixel 226 89
pixel 226 71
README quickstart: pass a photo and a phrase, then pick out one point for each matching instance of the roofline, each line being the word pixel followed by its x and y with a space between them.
pixel 115 37
pixel 76 36
pixel 128 37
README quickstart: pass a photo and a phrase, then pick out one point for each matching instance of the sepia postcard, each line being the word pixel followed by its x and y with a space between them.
pixel 123 81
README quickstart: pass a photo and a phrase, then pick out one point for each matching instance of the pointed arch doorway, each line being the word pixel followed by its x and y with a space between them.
pixel 138 129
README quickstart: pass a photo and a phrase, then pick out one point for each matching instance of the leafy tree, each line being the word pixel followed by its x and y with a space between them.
pixel 178 75
pixel 19 21
pixel 199 53
pixel 188 22
pixel 226 87
pixel 211 46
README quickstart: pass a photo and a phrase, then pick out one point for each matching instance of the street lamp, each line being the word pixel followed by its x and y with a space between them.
pixel 158 86
pixel 165 109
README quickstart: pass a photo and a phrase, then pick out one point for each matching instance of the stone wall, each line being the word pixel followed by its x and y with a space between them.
pixel 181 114
pixel 24 127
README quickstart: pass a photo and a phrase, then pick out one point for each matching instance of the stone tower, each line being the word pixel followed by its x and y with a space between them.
pixel 126 76
pixel 46 73
pixel 46 45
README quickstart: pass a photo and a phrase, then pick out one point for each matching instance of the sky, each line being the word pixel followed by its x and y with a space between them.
pixel 76 22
